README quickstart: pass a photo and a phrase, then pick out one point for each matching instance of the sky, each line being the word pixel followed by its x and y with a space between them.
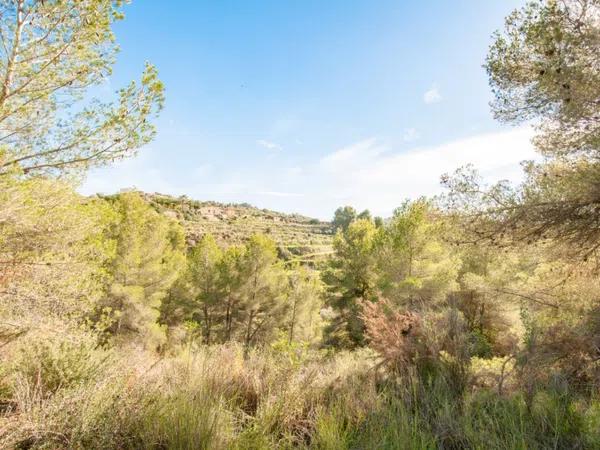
pixel 306 105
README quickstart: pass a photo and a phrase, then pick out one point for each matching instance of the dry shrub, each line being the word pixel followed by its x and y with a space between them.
pixel 396 336
pixel 93 414
pixel 54 361
pixel 559 356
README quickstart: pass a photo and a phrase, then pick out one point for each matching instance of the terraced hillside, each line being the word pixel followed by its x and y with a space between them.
pixel 299 238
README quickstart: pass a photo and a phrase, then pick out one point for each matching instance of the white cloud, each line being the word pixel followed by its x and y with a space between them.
pixel 432 95
pixel 353 155
pixel 366 175
pixel 411 135
pixel 271 146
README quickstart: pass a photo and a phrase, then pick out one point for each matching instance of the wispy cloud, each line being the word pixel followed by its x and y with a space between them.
pixel 271 146
pixel 353 155
pixel 366 174
pixel 370 176
pixel 432 95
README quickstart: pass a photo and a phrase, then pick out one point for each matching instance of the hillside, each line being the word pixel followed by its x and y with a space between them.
pixel 299 238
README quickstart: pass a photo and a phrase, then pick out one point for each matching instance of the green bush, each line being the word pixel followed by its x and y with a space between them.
pixel 52 362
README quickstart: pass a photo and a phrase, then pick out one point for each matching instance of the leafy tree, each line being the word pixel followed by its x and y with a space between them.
pixel 343 217
pixel 350 278
pixel 545 67
pixel 149 255
pixel 208 292
pixel 51 53
pixel 366 214
pixel 242 293
pixel 230 283
pixel 263 290
pixel 493 286
pixel 417 269
pixel 53 251
pixel 174 311
pixel 203 263
pixel 304 298
pixel 57 253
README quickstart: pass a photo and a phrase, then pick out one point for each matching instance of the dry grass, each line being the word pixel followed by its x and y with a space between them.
pixel 214 398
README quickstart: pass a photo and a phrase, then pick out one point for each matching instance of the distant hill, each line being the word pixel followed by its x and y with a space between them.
pixel 299 238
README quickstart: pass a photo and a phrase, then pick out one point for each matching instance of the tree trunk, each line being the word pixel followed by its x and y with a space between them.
pixel 248 333
pixel 293 320
pixel 228 320
pixel 208 325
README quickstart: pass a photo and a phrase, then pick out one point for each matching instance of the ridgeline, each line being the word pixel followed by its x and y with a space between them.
pixel 299 238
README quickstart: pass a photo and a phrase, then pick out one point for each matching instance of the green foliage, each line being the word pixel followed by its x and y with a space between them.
pixel 295 353
pixel 203 261
pixel 54 52
pixel 262 292
pixel 43 265
pixel 365 215
pixel 416 267
pixel 243 293
pixel 343 217
pixel 304 304
pixel 405 261
pixel 349 279
pixel 231 279
pixel 544 66
pixel 91 288
pixel 48 363
pixel 149 254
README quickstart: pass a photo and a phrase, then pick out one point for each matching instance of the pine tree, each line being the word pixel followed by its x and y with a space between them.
pixel 263 292
pixel 416 268
pixel 350 278
pixel 149 256
pixel 305 301
pixel 203 264
pixel 230 283
pixel 53 52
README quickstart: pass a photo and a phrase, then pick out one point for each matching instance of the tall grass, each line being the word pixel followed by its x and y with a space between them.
pixel 214 398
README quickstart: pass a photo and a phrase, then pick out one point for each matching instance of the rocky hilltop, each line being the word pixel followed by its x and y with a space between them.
pixel 299 238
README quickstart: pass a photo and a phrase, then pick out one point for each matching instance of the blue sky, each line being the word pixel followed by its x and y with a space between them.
pixel 302 106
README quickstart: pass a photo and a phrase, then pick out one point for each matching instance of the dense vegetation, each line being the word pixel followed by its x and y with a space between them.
pixel 471 320
pixel 299 239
